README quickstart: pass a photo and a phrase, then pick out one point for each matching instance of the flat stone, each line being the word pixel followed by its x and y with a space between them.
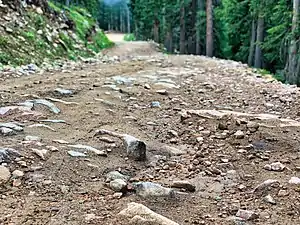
pixel 4 174
pixel 76 154
pixel 89 148
pixel 40 152
pixel 283 193
pixel 140 214
pixel 265 185
pixel 12 126
pixel 7 154
pixel 32 138
pixel 7 131
pixel 184 184
pixel 62 91
pixel 149 190
pixel 173 151
pixel 106 139
pixel 277 166
pixel 113 175
pixel 61 141
pixel 17 173
pixel 294 180
pixel 247 214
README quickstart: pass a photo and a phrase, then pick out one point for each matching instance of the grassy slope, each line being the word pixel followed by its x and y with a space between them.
pixel 38 42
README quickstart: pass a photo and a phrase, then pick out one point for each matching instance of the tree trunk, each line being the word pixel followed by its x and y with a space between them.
pixel 192 45
pixel 292 73
pixel 121 20
pixel 168 40
pixel 201 7
pixel 252 43
pixel 136 29
pixel 156 30
pixel 259 41
pixel 182 27
pixel 209 29
pixel 128 21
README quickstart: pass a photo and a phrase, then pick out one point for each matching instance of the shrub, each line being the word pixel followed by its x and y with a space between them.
pixel 129 37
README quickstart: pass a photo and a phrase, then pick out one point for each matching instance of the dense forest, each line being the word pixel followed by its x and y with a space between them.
pixel 262 33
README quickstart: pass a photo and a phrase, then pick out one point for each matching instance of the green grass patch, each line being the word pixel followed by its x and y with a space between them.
pixel 29 45
pixel 129 37
pixel 278 76
pixel 29 35
pixel 83 24
pixel 54 6
pixel 100 41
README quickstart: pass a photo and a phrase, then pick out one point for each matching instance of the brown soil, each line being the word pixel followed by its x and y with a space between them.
pixel 204 84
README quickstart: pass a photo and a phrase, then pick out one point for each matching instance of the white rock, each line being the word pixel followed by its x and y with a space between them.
pixel 41 153
pixel 174 133
pixel 270 199
pixel 39 10
pixel 239 134
pixel 294 180
pixel 90 216
pixel 113 175
pixel 7 131
pixel 140 214
pixel 17 173
pixel 277 166
pixel 172 151
pixel 32 138
pixel 4 175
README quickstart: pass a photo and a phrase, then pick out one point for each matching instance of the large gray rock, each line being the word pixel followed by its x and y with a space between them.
pixel 7 131
pixel 149 189
pixel 12 126
pixel 7 155
pixel 135 148
pixel 118 185
pixel 113 175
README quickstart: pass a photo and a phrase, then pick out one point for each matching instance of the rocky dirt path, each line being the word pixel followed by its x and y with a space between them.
pixel 230 137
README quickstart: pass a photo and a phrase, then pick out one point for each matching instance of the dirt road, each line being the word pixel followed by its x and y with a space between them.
pixel 188 103
pixel 116 37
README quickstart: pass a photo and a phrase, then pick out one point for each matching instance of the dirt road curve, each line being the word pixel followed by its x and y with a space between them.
pixel 221 152
pixel 115 37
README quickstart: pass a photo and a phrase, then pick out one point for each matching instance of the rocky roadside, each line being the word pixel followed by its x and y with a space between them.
pixel 220 143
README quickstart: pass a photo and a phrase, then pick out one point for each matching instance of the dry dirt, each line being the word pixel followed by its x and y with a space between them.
pixel 64 190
